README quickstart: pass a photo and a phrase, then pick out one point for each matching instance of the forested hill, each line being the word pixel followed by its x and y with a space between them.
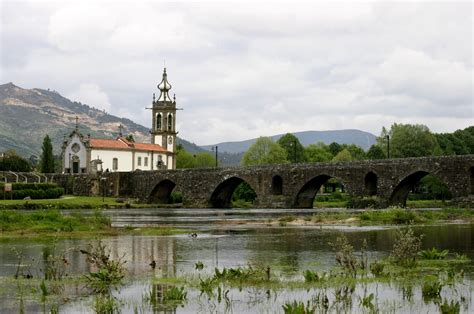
pixel 356 137
pixel 27 115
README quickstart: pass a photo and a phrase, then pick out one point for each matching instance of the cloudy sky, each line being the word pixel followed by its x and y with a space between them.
pixel 246 69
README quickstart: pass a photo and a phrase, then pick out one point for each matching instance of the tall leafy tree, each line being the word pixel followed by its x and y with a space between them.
pixel 410 140
pixel 294 150
pixel 264 151
pixel 47 157
pixel 335 148
pixel 357 153
pixel 199 160
pixel 343 155
pixel 318 152
pixel 375 152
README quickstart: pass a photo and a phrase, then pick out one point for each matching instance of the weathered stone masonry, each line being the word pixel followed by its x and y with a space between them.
pixel 289 185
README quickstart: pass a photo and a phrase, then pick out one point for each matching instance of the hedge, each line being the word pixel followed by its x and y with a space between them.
pixel 31 186
pixel 33 193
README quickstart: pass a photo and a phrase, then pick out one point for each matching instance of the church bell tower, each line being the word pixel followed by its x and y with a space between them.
pixel 163 131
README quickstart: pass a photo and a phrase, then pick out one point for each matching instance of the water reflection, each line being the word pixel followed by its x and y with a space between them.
pixel 288 251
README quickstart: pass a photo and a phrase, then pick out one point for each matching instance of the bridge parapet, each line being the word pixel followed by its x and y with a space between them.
pixel 289 185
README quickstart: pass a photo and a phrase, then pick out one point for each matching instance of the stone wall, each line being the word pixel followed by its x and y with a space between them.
pixel 213 187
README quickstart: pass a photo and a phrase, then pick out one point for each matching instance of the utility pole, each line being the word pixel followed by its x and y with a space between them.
pixel 217 154
pixel 388 146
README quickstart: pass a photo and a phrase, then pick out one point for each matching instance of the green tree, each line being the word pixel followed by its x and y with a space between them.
pixel 130 138
pixel 409 140
pixel 187 160
pixel 357 153
pixel 12 162
pixel 47 157
pixel 318 152
pixel 335 148
pixel 204 160
pixel 244 192
pixel 343 155
pixel 292 146
pixel 375 152
pixel 264 151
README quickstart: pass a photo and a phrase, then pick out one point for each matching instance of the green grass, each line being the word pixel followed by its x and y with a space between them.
pixel 72 202
pixel 77 224
pixel 397 216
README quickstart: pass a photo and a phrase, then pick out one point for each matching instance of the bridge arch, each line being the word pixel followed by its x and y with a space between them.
pixel 277 185
pixel 371 183
pixel 222 195
pixel 307 193
pixel 400 192
pixel 471 179
pixel 161 193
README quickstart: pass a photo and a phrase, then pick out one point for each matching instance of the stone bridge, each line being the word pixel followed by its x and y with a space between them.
pixel 296 185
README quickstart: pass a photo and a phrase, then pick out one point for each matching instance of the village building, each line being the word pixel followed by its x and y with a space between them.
pixel 83 154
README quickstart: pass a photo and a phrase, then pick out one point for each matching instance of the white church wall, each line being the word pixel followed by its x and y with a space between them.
pixel 124 159
pixel 143 155
pixel 69 153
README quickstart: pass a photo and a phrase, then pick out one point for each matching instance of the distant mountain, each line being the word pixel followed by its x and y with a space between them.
pixel 27 115
pixel 357 137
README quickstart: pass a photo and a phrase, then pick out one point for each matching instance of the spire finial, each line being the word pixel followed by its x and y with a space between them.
pixel 174 97
pixel 153 97
pixel 120 130
pixel 164 88
pixel 77 123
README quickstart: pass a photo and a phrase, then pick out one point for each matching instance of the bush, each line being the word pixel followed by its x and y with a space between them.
pixel 176 197
pixel 33 190
pixel 364 202
pixel 406 247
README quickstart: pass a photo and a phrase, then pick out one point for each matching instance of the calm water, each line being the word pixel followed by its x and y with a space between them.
pixel 287 250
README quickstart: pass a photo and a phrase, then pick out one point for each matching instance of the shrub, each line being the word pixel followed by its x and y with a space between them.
pixel 345 255
pixel 406 247
pixel 33 190
pixel 431 289
pixel 174 294
pixel 311 276
pixel 364 202
pixel 403 216
pixel 176 197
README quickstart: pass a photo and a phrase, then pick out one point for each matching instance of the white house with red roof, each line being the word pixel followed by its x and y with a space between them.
pixel 89 155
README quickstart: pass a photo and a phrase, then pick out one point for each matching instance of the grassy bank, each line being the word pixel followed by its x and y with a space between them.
pixel 394 216
pixel 75 202
pixel 76 224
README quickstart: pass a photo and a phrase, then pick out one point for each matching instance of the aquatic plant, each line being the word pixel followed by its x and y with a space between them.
pixel 377 268
pixel 406 247
pixel 44 291
pixel 110 272
pixel 242 274
pixel 298 307
pixel 368 302
pixel 431 289
pixel 311 276
pixel 345 255
pixel 105 304
pixel 449 308
pixel 199 265
pixel 433 254
pixel 55 265
pixel 207 286
pixel 174 295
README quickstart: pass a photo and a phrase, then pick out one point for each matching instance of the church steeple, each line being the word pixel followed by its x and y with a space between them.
pixel 164 88
pixel 163 131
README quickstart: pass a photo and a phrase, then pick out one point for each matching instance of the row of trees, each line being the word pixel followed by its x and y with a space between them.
pixel 404 140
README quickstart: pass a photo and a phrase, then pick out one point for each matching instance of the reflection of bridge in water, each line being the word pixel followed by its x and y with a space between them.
pixel 281 186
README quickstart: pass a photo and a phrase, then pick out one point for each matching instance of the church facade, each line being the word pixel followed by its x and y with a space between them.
pixel 83 154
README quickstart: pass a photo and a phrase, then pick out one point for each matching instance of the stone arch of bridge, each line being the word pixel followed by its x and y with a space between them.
pixel 399 195
pixel 307 193
pixel 277 185
pixel 161 193
pixel 471 179
pixel 221 197
pixel 371 183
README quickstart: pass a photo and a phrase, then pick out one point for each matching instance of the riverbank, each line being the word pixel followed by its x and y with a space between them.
pixel 78 202
pixel 76 224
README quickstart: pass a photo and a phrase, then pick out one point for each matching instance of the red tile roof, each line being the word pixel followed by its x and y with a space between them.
pixel 123 144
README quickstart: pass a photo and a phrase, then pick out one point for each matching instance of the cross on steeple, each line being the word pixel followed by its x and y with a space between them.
pixel 77 123
pixel 120 130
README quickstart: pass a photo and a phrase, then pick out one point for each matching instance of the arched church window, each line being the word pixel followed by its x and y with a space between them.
pixel 170 122
pixel 115 164
pixel 158 121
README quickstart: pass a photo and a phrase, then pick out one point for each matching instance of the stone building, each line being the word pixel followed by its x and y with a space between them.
pixel 83 154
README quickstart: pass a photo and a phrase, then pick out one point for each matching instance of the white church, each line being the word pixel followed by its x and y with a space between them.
pixel 90 155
